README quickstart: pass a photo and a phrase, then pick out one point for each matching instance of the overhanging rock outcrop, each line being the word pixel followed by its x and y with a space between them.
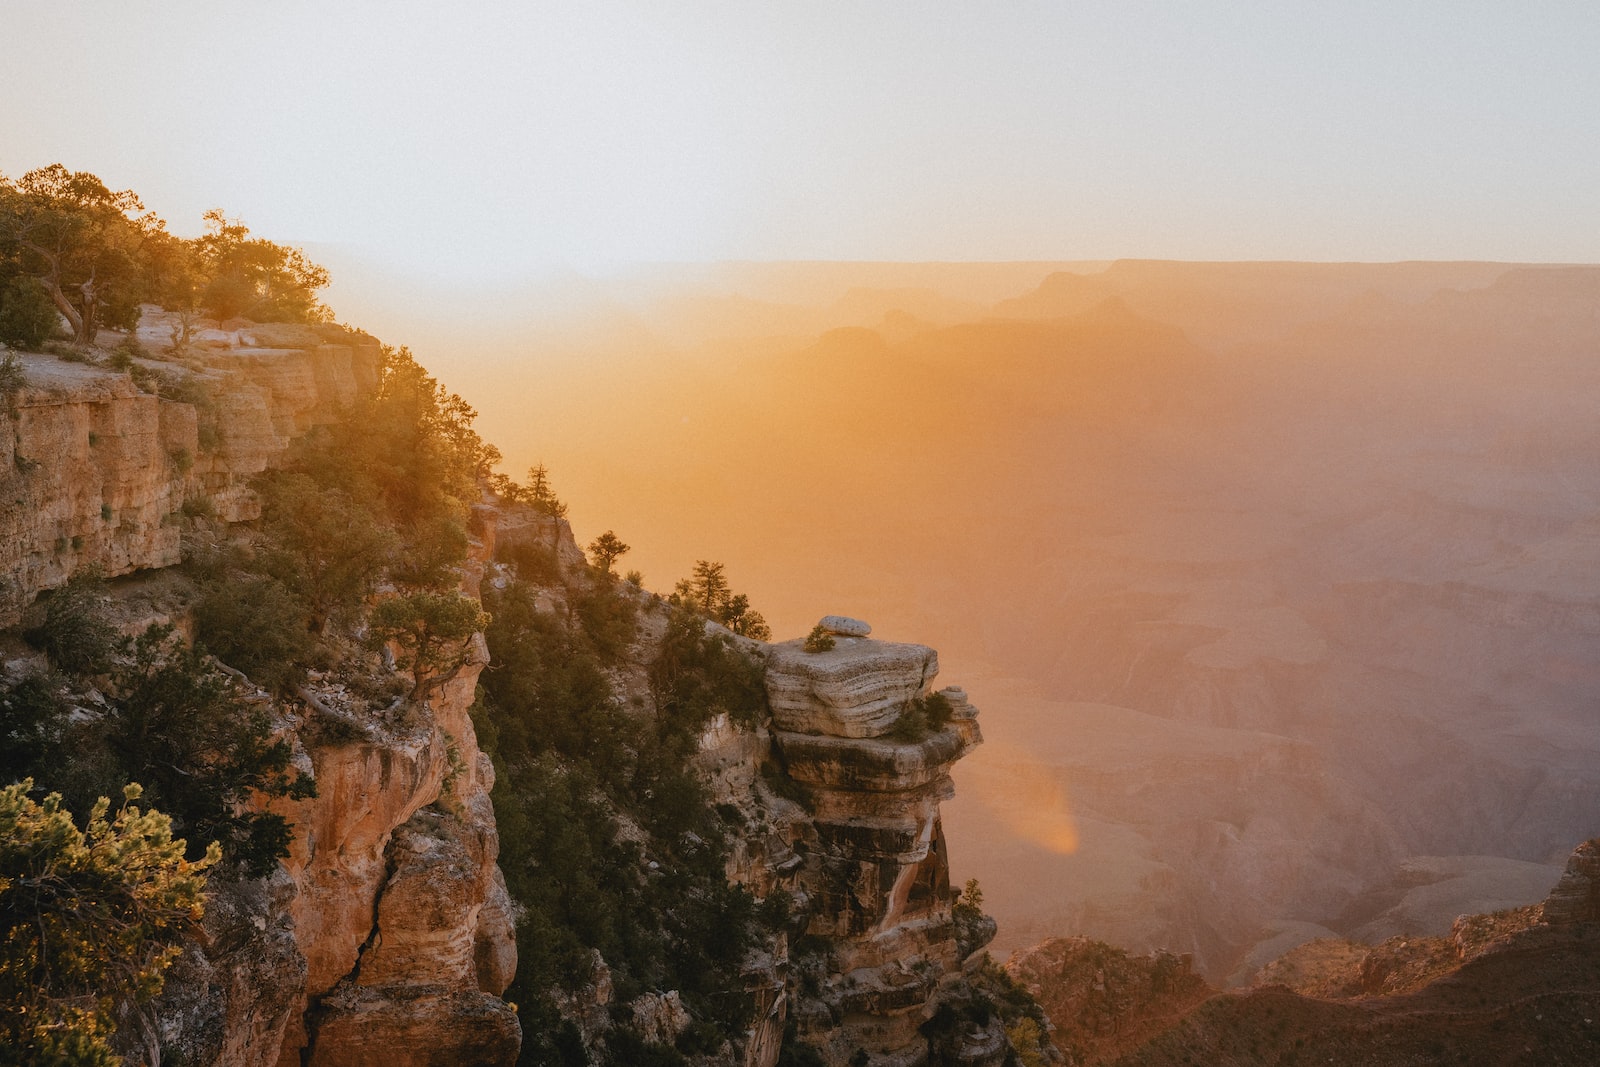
pixel 852 725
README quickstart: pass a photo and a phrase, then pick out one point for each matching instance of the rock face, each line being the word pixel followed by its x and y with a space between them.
pixel 414 935
pixel 856 689
pixel 1576 898
pixel 881 948
pixel 387 932
pixel 1103 1001
pixel 96 472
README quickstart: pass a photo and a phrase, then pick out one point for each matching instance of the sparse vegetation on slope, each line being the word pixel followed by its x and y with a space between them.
pixel 69 244
pixel 611 844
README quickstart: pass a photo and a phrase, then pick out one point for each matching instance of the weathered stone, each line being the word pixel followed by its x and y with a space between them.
pixel 1576 898
pixel 845 626
pixel 876 872
pixel 856 689
pixel 660 1017
pixel 418 1026
pixel 95 472
pixel 871 764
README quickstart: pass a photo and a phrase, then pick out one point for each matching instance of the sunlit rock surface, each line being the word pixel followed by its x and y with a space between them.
pixel 1576 897
pixel 881 948
pixel 386 934
pixel 855 689
pixel 96 472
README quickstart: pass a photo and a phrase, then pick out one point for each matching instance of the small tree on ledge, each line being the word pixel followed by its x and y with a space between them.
pixel 606 549
pixel 430 629
pixel 818 640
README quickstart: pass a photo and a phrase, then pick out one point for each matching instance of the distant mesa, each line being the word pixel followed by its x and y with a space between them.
pixel 844 626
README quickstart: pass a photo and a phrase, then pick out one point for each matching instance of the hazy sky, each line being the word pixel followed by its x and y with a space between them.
pixel 499 137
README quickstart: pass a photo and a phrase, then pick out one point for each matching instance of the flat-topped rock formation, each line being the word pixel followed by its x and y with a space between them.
pixel 852 726
pixel 1576 897
pixel 858 688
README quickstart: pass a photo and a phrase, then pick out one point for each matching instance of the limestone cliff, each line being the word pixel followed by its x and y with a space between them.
pixel 96 471
pixel 387 932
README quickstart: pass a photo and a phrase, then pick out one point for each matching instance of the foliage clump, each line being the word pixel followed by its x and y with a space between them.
pixel 429 629
pixel 609 839
pixel 89 922
pixel 27 317
pixel 922 717
pixel 202 748
pixel 73 248
pixel 606 549
pixel 382 496
pixel 819 640
pixel 708 593
pixel 75 633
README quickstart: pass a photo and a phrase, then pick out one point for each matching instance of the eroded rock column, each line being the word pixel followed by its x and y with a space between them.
pixel 859 727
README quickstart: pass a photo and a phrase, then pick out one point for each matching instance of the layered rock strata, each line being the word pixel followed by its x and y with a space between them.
pixel 96 472
pixel 1576 897
pixel 387 932
pixel 881 950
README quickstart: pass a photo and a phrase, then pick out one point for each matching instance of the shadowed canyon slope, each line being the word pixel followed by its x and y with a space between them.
pixel 1271 576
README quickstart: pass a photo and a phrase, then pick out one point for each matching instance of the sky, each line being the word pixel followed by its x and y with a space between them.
pixel 497 139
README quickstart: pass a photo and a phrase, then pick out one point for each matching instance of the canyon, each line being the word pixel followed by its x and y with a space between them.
pixel 1195 530
pixel 387 933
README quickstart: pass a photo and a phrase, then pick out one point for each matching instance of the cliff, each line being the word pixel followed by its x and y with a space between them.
pixel 1515 986
pixel 97 471
pixel 386 934
pixel 881 950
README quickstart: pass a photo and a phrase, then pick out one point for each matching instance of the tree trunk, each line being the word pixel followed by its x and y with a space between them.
pixel 63 305
pixel 91 301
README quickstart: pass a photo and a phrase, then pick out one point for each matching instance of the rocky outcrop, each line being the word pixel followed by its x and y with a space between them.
pixel 1102 1001
pixel 1576 898
pixel 844 626
pixel 856 689
pixel 414 933
pixel 881 949
pixel 96 471
pixel 387 931
pixel 1514 986
pixel 387 935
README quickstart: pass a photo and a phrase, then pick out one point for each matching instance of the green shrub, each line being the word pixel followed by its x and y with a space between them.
pixel 819 640
pixel 610 620
pixel 431 630
pixel 28 318
pixel 535 562
pixel 922 717
pixel 75 633
pixel 697 674
pixel 571 760
pixel 89 922
pixel 32 717
pixel 255 625
pixel 202 750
